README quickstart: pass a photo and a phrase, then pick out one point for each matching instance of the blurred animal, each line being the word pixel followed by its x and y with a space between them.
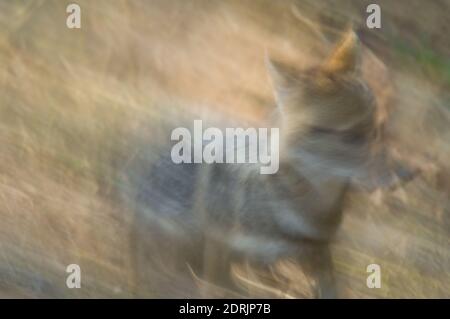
pixel 217 213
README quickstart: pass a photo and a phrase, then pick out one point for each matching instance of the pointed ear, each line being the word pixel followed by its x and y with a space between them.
pixel 345 58
pixel 280 75
pixel 283 79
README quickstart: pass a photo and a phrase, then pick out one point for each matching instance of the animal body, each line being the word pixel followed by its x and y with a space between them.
pixel 218 213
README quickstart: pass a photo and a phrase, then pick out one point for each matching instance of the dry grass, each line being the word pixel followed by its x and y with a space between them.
pixel 70 98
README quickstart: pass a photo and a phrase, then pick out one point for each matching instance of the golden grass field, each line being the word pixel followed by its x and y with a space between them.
pixel 70 98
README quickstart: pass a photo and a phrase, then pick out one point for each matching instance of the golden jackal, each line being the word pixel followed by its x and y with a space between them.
pixel 211 214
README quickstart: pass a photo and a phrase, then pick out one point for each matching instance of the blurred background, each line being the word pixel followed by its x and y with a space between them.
pixel 70 99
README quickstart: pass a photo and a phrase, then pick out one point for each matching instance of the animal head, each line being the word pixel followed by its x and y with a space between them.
pixel 329 113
